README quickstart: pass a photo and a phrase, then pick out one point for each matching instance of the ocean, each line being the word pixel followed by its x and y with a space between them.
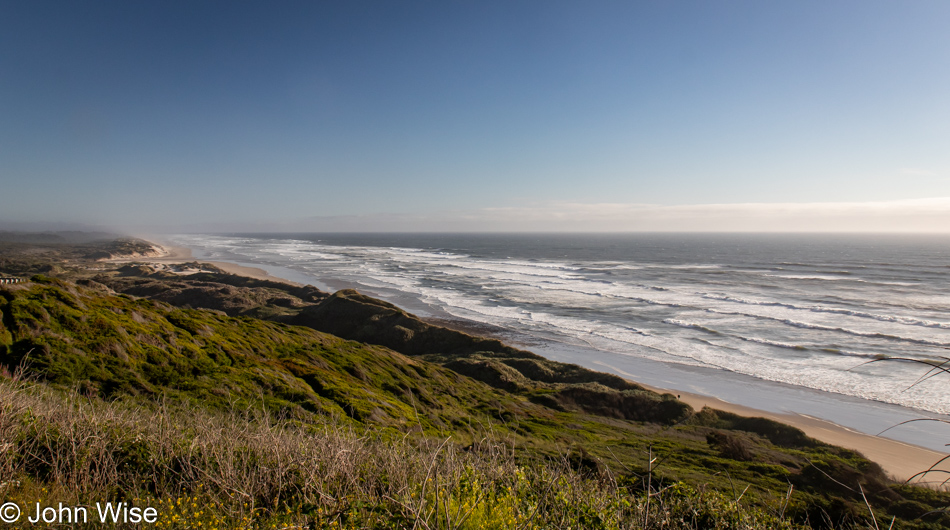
pixel 857 316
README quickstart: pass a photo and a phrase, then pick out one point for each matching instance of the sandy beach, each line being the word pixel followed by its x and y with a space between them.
pixel 170 255
pixel 900 460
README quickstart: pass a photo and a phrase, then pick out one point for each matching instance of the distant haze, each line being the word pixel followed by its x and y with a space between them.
pixel 926 215
pixel 486 116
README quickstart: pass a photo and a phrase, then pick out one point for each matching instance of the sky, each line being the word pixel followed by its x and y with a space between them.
pixel 476 116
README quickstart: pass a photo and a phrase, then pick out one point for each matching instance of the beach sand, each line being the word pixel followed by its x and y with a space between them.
pixel 170 255
pixel 899 460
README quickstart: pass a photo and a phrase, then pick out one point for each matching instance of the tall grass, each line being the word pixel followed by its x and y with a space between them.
pixel 937 475
pixel 250 469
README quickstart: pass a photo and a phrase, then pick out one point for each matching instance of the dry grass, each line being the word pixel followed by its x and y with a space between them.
pixel 248 469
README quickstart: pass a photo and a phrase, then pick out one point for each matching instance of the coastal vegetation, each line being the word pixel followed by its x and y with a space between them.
pixel 230 402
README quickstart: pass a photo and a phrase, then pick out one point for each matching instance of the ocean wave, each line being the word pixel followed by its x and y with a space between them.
pixel 814 277
pixel 861 355
pixel 496 267
pixel 775 343
pixel 897 319
pixel 692 325
pixel 609 267
pixel 868 334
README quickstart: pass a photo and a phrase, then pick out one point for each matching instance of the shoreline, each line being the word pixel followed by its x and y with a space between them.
pixel 900 460
pixel 175 255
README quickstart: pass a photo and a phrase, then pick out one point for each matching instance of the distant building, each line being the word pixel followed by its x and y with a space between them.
pixel 10 280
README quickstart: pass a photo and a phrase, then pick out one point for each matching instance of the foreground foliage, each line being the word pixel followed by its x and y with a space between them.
pixel 248 469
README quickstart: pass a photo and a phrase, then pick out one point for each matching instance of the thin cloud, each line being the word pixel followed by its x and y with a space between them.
pixel 915 215
pixel 917 172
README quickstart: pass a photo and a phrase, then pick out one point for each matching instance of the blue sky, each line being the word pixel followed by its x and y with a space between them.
pixel 476 115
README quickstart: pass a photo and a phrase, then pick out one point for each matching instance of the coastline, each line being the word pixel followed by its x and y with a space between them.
pixel 898 459
pixel 174 255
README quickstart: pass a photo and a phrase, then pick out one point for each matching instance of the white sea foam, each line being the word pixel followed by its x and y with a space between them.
pixel 871 334
pixel 899 319
pixel 776 343
pixel 814 277
pixel 692 325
